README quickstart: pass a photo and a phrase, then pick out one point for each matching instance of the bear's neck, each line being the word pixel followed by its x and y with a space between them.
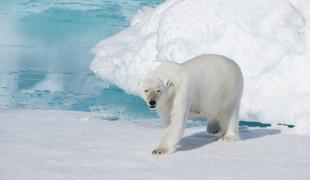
pixel 167 98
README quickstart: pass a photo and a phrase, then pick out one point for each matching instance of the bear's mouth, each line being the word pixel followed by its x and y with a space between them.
pixel 152 107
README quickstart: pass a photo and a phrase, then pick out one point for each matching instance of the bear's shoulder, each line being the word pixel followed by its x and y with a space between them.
pixel 167 68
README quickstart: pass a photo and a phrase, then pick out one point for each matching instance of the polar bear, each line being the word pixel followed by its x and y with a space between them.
pixel 207 86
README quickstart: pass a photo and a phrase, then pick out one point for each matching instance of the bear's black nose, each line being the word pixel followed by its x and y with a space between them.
pixel 152 102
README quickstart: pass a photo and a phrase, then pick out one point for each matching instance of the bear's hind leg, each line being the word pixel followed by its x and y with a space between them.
pixel 213 126
pixel 232 129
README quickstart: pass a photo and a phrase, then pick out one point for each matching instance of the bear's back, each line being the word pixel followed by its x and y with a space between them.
pixel 207 68
pixel 213 66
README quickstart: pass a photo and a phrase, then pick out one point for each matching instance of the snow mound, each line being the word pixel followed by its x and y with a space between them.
pixel 266 38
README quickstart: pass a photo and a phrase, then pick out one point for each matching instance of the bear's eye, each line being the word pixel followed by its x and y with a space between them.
pixel 146 90
pixel 158 90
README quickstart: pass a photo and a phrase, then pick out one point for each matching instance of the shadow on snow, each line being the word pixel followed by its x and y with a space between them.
pixel 200 139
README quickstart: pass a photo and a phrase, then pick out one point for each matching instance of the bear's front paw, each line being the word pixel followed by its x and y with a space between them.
pixel 159 151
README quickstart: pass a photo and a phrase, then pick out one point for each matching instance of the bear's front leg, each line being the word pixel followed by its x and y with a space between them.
pixel 164 115
pixel 173 133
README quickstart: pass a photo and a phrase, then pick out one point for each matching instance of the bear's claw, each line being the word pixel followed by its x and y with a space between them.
pixel 159 151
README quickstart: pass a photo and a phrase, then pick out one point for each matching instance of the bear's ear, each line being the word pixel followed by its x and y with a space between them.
pixel 169 83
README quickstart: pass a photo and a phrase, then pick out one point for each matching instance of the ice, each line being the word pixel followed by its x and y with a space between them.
pixel 77 145
pixel 45 52
pixel 268 39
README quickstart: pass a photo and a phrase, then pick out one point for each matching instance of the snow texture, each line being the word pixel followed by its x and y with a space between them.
pixel 268 39
pixel 76 145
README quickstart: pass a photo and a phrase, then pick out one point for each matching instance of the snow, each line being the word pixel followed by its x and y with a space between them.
pixel 302 124
pixel 38 144
pixel 268 39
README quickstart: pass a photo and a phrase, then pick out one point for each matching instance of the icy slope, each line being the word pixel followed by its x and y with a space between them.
pixel 60 145
pixel 267 39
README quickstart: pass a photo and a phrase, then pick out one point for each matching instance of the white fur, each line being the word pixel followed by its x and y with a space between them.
pixel 208 85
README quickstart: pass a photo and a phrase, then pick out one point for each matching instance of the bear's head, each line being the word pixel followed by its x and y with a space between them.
pixel 155 91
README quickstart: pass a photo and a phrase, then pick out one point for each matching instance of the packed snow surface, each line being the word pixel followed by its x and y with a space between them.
pixel 268 39
pixel 76 145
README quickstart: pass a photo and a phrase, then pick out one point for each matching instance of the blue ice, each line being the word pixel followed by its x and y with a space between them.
pixel 45 54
